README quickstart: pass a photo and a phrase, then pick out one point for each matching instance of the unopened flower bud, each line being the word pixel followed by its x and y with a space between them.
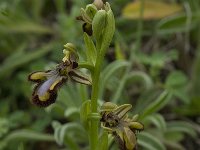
pixel 99 4
pixel 99 23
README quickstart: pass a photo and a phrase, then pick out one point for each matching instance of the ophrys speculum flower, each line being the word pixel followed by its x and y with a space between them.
pixel 48 82
pixel 116 121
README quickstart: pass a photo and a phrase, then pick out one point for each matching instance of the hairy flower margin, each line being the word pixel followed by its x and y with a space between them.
pixel 48 82
pixel 115 120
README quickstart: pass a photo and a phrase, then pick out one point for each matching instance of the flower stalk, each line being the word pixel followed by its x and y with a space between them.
pixel 102 29
pixel 94 100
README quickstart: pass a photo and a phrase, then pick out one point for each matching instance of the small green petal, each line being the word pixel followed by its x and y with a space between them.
pixel 129 139
pixel 136 126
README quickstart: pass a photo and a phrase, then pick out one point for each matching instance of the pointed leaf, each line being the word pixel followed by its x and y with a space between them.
pixel 90 49
pixel 156 105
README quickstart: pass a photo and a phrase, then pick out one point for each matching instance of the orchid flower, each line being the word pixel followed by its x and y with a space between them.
pixel 116 121
pixel 48 82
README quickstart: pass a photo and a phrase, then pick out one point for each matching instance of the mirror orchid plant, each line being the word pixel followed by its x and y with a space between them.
pixel 98 26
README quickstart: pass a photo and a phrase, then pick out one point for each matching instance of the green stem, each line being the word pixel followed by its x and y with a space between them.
pixel 102 45
pixel 94 100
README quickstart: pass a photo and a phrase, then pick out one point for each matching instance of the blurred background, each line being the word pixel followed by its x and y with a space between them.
pixel 163 83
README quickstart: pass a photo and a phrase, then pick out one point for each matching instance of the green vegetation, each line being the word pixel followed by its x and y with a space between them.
pixel 152 63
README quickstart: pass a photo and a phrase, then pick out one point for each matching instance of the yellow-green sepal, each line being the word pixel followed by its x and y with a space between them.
pixel 129 139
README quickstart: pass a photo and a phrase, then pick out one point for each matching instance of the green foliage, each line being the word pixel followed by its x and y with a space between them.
pixel 64 134
pixel 90 49
pixel 150 142
pixel 160 78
